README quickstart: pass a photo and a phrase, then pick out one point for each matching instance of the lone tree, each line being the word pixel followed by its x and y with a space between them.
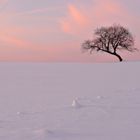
pixel 110 39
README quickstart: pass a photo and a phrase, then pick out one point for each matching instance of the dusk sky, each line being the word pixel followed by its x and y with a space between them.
pixel 53 30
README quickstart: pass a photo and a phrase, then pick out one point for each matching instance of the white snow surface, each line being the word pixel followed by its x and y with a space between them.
pixel 38 101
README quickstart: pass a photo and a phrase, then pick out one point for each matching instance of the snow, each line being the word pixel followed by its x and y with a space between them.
pixel 76 104
pixel 60 101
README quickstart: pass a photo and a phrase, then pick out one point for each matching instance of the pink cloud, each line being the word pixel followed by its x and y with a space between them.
pixel 98 14
pixel 108 7
pixel 77 15
pixel 108 13
pixel 13 41
pixel 14 48
pixel 74 21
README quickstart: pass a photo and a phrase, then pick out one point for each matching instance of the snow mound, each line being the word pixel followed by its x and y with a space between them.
pixel 99 97
pixel 43 131
pixel 76 104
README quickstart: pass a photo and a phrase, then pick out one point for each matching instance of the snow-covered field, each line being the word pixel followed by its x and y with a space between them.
pixel 42 101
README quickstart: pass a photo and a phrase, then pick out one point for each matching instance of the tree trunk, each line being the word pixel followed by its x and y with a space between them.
pixel 119 57
pixel 113 53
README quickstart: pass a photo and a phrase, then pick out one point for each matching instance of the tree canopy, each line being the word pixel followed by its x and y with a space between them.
pixel 110 39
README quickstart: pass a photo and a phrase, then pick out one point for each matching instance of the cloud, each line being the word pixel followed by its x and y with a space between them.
pixel 108 12
pixel 74 21
pixel 76 15
pixel 39 10
pixel 99 13
pixel 13 41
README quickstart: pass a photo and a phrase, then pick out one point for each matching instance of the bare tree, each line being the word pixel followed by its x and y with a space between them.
pixel 110 39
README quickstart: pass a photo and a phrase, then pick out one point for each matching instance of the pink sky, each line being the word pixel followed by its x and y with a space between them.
pixel 54 31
